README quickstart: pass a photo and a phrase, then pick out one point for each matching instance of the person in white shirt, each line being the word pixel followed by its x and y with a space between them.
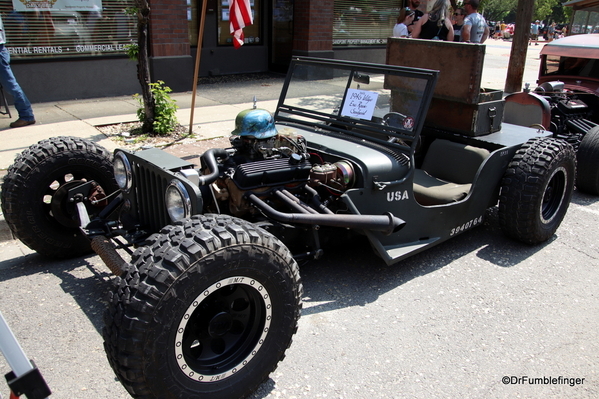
pixel 406 16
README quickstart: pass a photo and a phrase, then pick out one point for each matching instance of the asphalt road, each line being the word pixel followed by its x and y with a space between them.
pixel 453 321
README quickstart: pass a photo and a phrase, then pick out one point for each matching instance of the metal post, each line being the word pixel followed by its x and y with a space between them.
pixel 196 69
pixel 13 353
pixel 25 378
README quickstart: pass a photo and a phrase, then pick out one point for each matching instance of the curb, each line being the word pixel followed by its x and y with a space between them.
pixel 5 233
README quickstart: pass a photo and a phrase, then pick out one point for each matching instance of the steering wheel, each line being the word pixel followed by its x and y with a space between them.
pixel 395 120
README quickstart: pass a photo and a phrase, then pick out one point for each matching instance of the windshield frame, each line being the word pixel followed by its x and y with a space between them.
pixel 357 73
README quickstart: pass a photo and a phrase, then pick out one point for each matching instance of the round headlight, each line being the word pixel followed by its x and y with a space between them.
pixel 178 202
pixel 122 171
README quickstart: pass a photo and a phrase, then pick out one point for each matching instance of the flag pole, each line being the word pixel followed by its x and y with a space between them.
pixel 197 64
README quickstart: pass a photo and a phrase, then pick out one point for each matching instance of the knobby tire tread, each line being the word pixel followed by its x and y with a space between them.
pixel 26 173
pixel 588 163
pixel 177 252
pixel 522 189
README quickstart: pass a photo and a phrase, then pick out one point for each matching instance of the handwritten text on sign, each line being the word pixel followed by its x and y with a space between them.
pixel 359 104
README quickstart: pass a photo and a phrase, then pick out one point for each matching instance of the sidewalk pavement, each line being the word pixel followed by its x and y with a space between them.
pixel 80 119
pixel 216 106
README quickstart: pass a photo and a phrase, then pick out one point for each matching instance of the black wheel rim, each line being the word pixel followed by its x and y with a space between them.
pixel 554 195
pixel 53 198
pixel 223 329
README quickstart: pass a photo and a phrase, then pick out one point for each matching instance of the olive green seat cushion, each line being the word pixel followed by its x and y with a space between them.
pixel 447 173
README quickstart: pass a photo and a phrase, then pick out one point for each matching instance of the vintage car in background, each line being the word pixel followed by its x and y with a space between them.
pixel 566 101
pixel 574 60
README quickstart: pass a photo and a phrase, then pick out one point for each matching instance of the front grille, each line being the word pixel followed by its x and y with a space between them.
pixel 153 170
pixel 149 187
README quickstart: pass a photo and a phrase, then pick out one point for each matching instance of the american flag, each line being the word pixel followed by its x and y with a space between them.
pixel 240 15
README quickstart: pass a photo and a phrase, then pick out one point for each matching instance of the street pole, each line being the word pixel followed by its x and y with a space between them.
pixel 517 62
pixel 196 69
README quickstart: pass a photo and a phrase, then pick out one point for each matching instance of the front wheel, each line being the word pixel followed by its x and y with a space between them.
pixel 35 199
pixel 588 162
pixel 536 190
pixel 208 311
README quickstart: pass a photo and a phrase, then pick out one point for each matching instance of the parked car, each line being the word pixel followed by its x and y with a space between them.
pixel 566 101
pixel 210 300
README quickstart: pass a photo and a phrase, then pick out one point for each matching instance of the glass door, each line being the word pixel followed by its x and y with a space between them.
pixel 282 35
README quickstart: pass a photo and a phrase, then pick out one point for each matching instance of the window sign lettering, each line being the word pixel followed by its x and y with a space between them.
pixel 57 5
pixel 38 29
pixel 359 104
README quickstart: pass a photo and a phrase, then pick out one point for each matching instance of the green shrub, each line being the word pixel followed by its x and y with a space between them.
pixel 132 51
pixel 165 112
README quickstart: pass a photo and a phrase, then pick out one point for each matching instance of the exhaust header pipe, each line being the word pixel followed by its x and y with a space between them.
pixel 386 223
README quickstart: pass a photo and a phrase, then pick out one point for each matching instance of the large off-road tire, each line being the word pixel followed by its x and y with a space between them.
pixel 536 190
pixel 34 192
pixel 587 179
pixel 206 311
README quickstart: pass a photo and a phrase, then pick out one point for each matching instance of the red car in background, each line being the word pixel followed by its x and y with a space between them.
pixel 573 60
pixel 566 101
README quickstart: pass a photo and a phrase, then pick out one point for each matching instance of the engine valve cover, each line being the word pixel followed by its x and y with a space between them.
pixel 271 172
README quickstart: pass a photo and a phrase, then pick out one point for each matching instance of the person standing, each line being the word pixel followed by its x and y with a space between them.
pixel 551 32
pixel 435 24
pixel 413 5
pixel 475 28
pixel 497 32
pixel 458 17
pixel 10 84
pixel 534 33
pixel 406 16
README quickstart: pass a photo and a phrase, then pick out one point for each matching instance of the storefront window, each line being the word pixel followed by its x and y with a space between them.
pixel 364 22
pixel 251 33
pixel 67 28
pixel 586 21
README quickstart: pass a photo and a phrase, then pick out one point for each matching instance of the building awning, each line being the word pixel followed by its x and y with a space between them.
pixel 581 3
pixel 584 46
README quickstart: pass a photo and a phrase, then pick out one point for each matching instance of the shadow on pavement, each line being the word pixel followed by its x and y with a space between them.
pixel 85 279
pixel 351 274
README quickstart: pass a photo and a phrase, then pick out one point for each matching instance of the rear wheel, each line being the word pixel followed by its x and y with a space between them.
pixel 587 179
pixel 208 311
pixel 536 190
pixel 34 194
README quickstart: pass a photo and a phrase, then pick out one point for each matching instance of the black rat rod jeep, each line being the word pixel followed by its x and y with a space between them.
pixel 212 296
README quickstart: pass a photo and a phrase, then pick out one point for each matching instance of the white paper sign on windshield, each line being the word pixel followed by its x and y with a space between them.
pixel 359 104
